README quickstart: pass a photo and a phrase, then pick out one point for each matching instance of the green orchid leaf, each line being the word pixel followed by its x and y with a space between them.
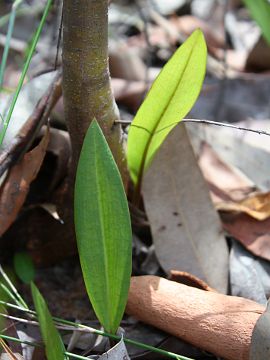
pixel 24 267
pixel 54 346
pixel 103 229
pixel 260 11
pixel 170 98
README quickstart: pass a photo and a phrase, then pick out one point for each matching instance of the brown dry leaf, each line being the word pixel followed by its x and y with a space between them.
pixel 188 23
pixel 245 151
pixel 226 182
pixel 129 93
pixel 16 186
pixel 185 227
pixel 230 188
pixel 259 57
pixel 254 235
pixel 257 206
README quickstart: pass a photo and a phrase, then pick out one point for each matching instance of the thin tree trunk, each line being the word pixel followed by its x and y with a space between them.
pixel 86 80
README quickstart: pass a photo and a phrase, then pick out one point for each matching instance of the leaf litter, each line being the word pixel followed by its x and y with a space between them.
pixel 242 165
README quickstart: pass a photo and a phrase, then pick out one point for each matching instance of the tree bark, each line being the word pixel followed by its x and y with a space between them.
pixel 86 80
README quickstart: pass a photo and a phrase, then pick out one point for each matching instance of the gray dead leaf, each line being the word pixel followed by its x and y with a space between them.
pixel 86 341
pixel 202 8
pixel 27 350
pixel 168 7
pixel 249 275
pixel 260 341
pixel 27 100
pixel 118 352
pixel 185 227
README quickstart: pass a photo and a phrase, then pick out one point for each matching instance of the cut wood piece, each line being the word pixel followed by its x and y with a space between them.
pixel 220 324
pixel 185 227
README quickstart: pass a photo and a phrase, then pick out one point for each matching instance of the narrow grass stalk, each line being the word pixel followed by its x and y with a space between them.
pixel 29 343
pixel 9 294
pixel 82 327
pixel 14 291
pixel 75 356
pixel 17 307
pixel 12 17
pixel 25 69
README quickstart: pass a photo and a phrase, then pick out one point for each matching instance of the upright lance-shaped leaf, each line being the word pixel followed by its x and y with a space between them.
pixel 170 98
pixel 53 344
pixel 103 229
pixel 260 11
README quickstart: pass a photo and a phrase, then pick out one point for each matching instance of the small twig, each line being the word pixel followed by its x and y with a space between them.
pixel 35 323
pixel 123 122
pixel 216 123
pixel 209 122
pixel 8 350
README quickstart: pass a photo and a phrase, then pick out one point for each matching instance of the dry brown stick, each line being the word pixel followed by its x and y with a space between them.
pixel 23 140
pixel 218 323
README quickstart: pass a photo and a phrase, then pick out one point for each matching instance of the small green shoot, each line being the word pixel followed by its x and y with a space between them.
pixel 54 346
pixel 260 11
pixel 170 98
pixel 24 267
pixel 103 229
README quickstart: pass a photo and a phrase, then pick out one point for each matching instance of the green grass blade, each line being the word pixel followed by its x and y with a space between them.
pixel 260 11
pixel 25 69
pixel 53 344
pixel 8 38
pixel 170 98
pixel 103 229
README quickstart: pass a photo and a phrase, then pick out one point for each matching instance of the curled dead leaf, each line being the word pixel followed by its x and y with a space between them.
pixel 16 186
pixel 256 206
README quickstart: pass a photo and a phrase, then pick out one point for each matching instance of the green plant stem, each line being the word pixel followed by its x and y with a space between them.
pixel 8 38
pixel 102 333
pixel 25 69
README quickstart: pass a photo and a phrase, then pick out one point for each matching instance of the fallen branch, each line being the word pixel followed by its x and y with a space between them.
pixel 218 323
